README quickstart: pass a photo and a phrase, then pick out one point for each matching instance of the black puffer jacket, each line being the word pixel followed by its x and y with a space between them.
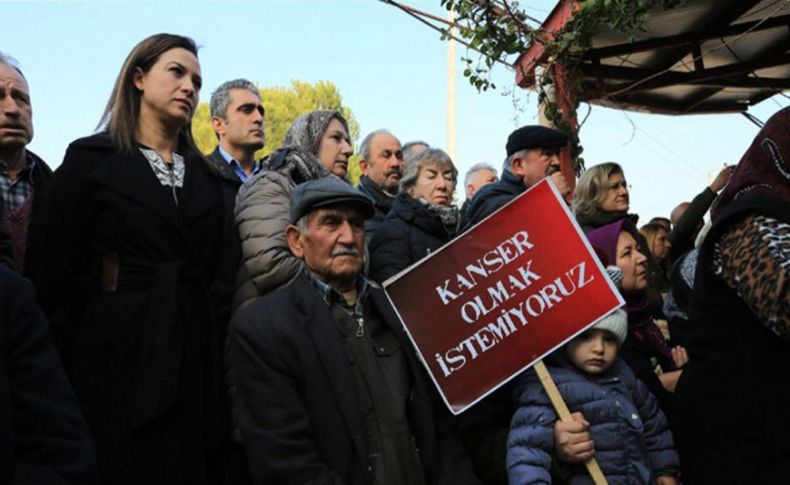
pixel 408 233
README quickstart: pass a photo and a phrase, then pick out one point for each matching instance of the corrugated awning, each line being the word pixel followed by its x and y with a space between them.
pixel 707 56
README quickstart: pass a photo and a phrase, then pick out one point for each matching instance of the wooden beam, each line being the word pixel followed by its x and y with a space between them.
pixel 698 98
pixel 685 39
pixel 536 54
pixel 654 104
pixel 654 79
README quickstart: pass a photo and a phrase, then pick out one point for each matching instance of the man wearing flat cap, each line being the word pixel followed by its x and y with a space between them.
pixel 329 388
pixel 532 154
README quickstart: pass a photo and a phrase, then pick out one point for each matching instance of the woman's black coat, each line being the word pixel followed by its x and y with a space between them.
pixel 144 285
pixel 408 233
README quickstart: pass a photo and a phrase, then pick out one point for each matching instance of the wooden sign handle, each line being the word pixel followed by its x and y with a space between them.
pixel 565 415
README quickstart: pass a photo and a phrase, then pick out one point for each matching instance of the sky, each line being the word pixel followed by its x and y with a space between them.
pixel 390 69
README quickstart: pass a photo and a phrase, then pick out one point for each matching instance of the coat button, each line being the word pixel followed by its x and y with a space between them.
pixel 634 416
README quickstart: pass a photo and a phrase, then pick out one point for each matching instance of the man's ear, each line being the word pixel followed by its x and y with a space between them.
pixel 469 189
pixel 519 166
pixel 294 237
pixel 363 165
pixel 218 124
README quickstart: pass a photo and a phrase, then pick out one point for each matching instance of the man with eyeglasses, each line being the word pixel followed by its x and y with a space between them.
pixel 532 155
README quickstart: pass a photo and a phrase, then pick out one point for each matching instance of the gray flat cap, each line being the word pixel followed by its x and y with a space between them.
pixel 327 191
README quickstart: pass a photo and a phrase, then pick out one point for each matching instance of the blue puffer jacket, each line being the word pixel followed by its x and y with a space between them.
pixel 633 444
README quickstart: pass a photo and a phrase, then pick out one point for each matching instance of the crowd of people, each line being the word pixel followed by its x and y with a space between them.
pixel 170 317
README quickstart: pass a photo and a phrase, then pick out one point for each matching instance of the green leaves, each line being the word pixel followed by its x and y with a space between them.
pixel 498 32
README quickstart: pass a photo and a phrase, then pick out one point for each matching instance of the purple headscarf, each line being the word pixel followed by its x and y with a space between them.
pixel 637 302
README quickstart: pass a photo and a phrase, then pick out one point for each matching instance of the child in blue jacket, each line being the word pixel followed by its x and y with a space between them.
pixel 633 444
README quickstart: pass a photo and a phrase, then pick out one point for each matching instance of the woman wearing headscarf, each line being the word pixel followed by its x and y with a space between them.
pixel 316 145
pixel 135 247
pixel 731 409
pixel 645 348
pixel 422 218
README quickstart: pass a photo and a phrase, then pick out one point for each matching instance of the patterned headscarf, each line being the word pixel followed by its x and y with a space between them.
pixel 307 130
pixel 298 156
pixel 765 167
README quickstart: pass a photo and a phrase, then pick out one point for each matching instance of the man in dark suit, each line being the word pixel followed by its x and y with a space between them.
pixel 24 177
pixel 43 436
pixel 329 388
pixel 237 119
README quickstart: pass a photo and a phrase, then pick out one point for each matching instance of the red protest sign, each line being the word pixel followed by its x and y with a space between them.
pixel 501 296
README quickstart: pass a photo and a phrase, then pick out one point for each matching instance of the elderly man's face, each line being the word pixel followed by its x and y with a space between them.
pixel 333 245
pixel 16 114
pixel 533 165
pixel 478 180
pixel 385 166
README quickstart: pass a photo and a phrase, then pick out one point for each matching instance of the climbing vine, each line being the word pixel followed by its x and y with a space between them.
pixel 499 30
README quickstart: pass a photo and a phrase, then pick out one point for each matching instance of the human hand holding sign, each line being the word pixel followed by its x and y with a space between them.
pixel 559 180
pixel 572 441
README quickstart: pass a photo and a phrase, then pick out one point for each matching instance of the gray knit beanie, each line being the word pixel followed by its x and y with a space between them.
pixel 615 322
pixel 307 130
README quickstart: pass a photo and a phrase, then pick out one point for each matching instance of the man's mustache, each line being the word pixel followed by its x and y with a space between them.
pixel 345 252
pixel 394 171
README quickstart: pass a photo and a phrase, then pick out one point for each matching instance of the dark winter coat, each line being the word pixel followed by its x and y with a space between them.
pixel 224 170
pixel 686 229
pixel 43 436
pixel 298 408
pixel 731 404
pixel 409 233
pixel 633 443
pixel 382 203
pixel 492 197
pixel 145 286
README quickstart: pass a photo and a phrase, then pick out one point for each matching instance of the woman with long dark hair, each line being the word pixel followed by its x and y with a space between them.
pixel 139 262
